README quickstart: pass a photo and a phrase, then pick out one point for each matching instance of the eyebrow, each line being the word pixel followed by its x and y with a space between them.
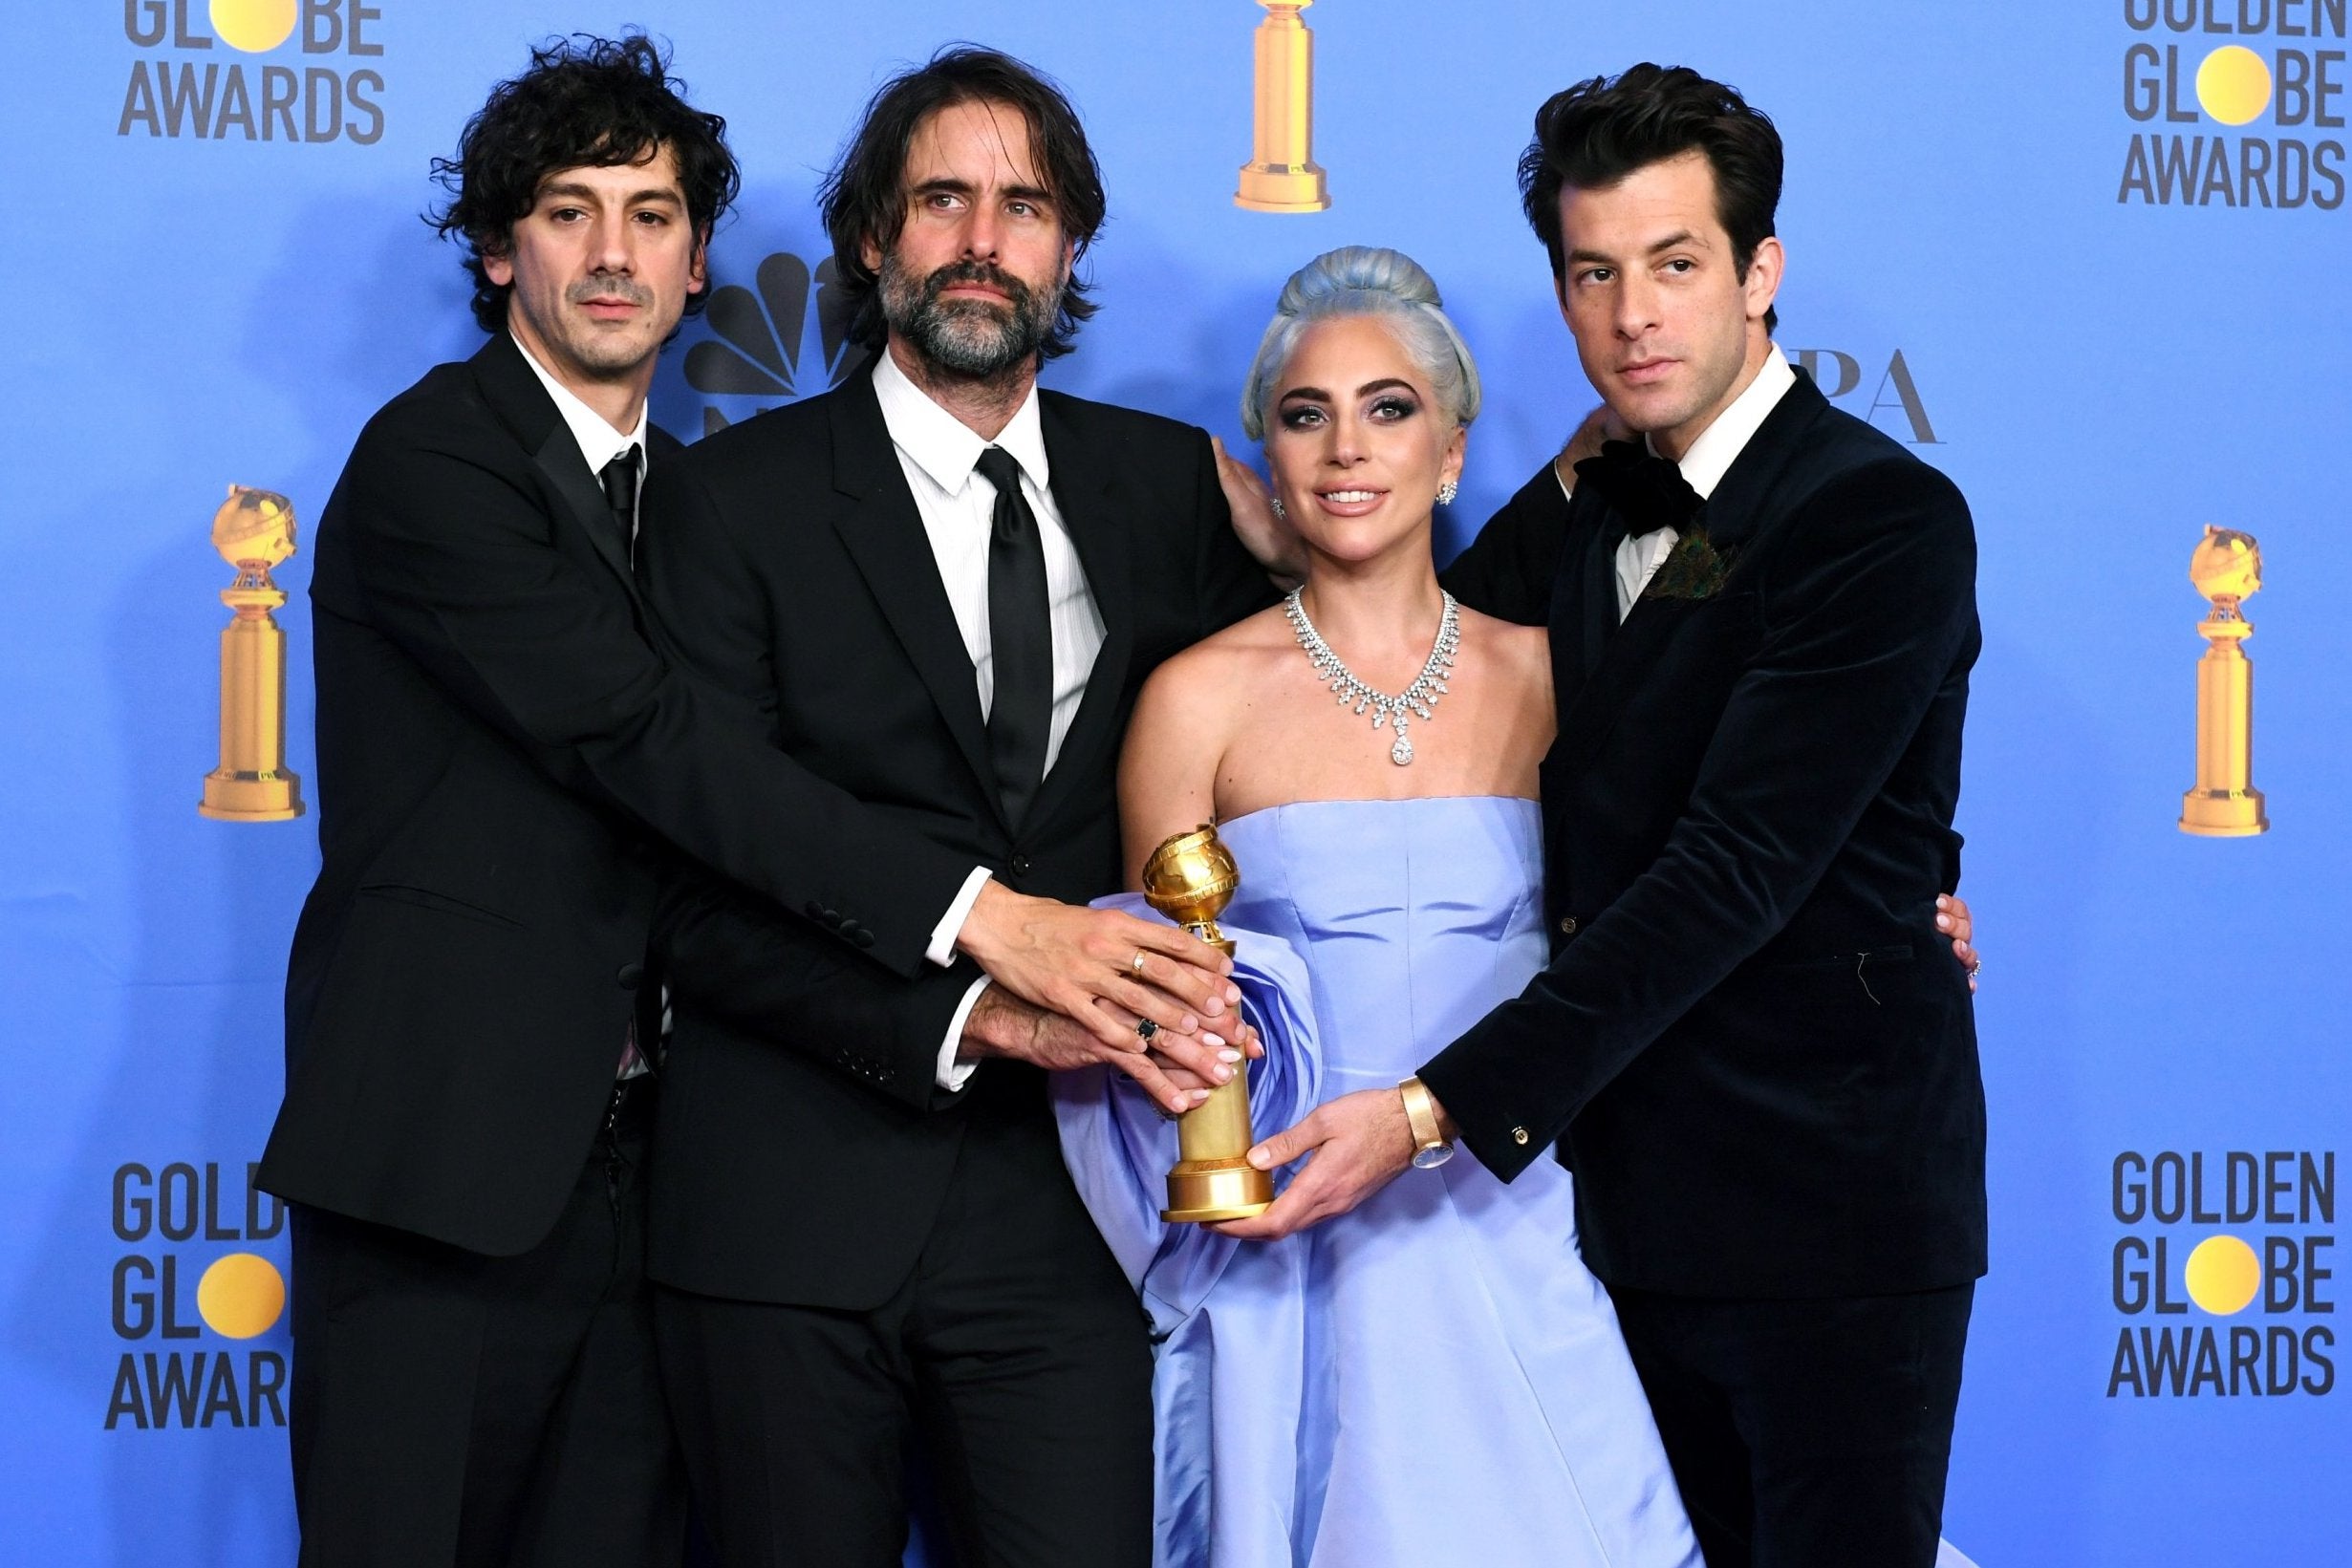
pixel 1364 391
pixel 588 193
pixel 1676 241
pixel 953 186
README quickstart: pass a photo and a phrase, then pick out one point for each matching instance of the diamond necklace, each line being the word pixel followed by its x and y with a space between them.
pixel 1418 699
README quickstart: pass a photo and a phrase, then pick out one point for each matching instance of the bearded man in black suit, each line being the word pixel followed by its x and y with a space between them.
pixel 1761 1072
pixel 941 588
pixel 504 746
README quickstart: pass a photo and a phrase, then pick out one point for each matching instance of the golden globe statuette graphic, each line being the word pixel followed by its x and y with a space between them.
pixel 2227 571
pixel 253 530
pixel 1281 175
pixel 1190 879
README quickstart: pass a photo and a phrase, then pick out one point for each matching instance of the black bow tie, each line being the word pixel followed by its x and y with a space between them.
pixel 1646 490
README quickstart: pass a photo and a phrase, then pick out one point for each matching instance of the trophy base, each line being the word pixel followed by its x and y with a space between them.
pixel 2224 813
pixel 231 796
pixel 1205 1189
pixel 1281 187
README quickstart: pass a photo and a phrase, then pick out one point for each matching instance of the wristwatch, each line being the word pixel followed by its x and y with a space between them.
pixel 1431 1147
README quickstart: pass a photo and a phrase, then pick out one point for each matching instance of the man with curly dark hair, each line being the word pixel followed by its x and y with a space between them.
pixel 504 748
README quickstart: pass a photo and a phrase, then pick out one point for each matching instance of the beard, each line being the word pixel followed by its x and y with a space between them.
pixel 969 337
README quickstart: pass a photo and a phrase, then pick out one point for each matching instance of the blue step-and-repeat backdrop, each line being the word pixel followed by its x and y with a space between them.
pixel 2091 257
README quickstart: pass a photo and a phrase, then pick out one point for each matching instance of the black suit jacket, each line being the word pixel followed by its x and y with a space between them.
pixel 497 740
pixel 1759 1060
pixel 802 1147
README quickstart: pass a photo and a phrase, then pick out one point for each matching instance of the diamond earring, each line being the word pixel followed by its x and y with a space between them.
pixel 1446 493
pixel 1279 510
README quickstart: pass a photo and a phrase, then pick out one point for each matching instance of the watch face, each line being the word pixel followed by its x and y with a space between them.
pixel 1432 1157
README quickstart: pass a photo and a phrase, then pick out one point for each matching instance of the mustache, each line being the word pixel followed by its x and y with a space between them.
pixel 1016 292
pixel 606 285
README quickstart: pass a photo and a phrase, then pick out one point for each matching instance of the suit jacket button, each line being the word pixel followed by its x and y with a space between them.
pixel 862 937
pixel 1519 1135
pixel 813 910
pixel 1567 925
pixel 630 975
pixel 1019 864
pixel 831 917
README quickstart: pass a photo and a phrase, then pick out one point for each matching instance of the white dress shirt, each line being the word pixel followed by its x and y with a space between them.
pixel 599 442
pixel 1703 467
pixel 938 453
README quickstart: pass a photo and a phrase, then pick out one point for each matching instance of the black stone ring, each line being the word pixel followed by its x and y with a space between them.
pixel 1145 1028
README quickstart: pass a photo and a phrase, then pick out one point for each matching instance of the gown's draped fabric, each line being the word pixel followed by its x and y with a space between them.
pixel 1434 1378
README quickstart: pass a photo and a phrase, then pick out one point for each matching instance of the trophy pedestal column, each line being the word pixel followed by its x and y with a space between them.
pixel 251 783
pixel 1281 175
pixel 2225 804
pixel 1213 1179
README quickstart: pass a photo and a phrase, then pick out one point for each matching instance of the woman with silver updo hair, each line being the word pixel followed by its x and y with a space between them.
pixel 1433 1377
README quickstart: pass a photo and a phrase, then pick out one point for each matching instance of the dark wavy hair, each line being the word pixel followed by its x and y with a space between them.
pixel 585 102
pixel 864 197
pixel 1601 130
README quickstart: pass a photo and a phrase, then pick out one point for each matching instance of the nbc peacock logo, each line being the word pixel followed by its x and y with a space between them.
pixel 785 337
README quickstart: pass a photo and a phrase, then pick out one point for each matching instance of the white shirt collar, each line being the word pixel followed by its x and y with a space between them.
pixel 1719 445
pixel 943 446
pixel 598 442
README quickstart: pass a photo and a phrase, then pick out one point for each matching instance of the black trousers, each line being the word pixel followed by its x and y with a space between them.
pixel 1806 1433
pixel 450 1407
pixel 1013 1366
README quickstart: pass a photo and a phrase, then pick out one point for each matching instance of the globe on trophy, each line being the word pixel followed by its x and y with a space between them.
pixel 254 532
pixel 1191 878
pixel 2227 569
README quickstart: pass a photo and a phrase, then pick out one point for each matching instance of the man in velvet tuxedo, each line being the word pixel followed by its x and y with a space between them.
pixel 1758 1064
pixel 941 588
pixel 502 744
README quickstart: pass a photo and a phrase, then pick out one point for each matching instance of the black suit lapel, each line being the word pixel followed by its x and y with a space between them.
pixel 514 393
pixel 1617 656
pixel 1085 495
pixel 884 534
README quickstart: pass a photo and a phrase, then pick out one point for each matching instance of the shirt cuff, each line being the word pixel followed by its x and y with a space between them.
pixel 951 1074
pixel 1567 491
pixel 943 948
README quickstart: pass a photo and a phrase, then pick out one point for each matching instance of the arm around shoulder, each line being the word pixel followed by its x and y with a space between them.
pixel 1870 621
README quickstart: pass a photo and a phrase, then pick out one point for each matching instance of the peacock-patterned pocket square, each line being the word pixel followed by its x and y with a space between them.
pixel 1693 569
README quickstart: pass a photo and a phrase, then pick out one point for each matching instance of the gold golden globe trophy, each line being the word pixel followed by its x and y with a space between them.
pixel 2227 569
pixel 253 530
pixel 1281 175
pixel 1190 879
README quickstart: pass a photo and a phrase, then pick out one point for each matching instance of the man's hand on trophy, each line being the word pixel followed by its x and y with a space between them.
pixel 1360 1142
pixel 1269 539
pixel 1171 1069
pixel 1067 960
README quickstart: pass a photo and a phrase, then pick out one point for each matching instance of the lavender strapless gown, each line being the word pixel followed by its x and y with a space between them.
pixel 1434 1379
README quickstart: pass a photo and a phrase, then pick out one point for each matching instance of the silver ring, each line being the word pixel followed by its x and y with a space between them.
pixel 1136 963
pixel 1975 968
pixel 1145 1028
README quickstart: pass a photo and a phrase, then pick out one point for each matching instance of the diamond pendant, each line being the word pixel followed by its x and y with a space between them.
pixel 1401 753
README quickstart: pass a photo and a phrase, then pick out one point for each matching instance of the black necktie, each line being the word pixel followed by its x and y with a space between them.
pixel 620 493
pixel 1020 639
pixel 1647 491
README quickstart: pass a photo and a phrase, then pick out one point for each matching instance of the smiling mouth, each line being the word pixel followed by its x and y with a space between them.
pixel 1349 498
